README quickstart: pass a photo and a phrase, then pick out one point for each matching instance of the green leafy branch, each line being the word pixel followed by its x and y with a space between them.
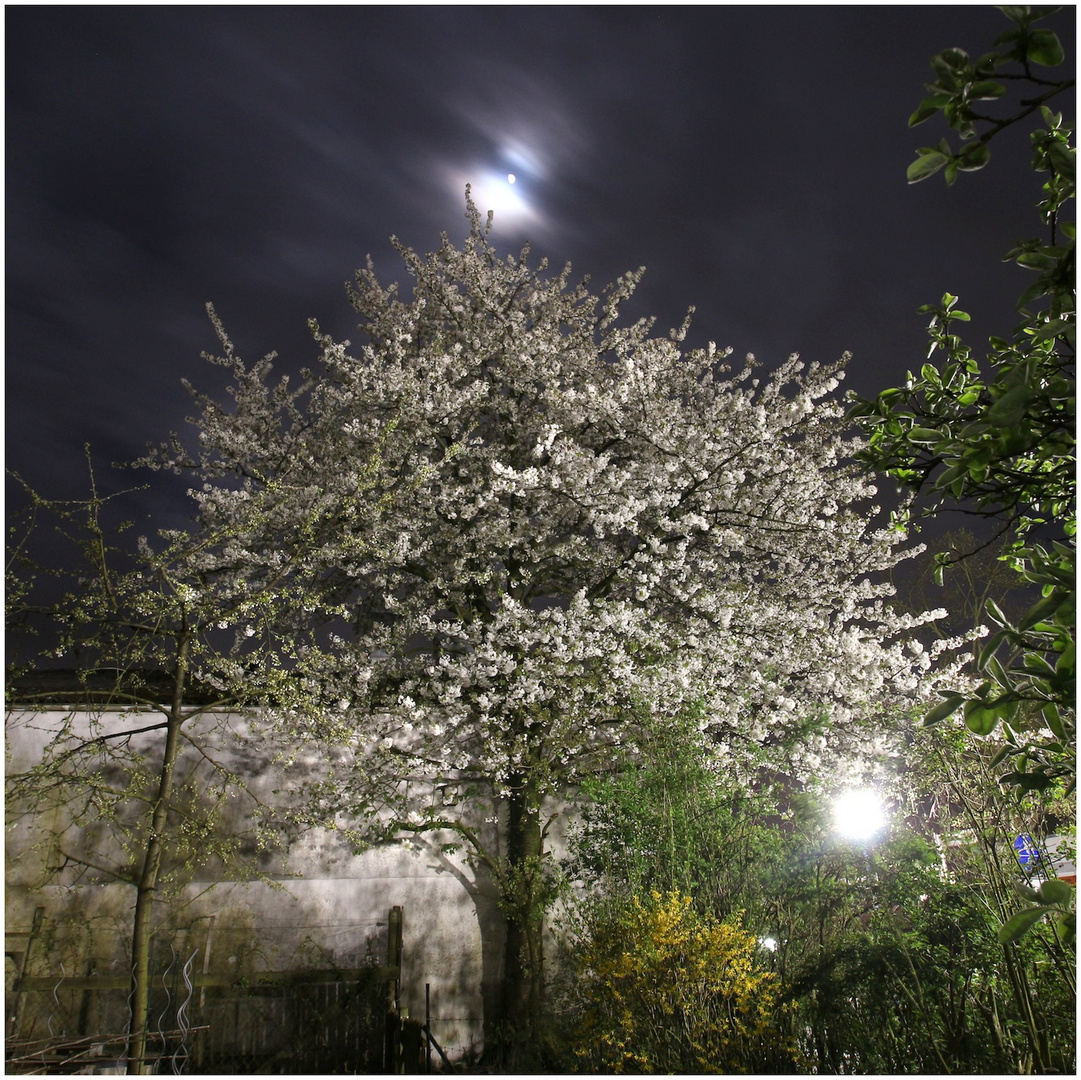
pixel 999 441
pixel 1054 897
pixel 962 82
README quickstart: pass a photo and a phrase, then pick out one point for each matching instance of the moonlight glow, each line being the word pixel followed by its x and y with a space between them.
pixel 509 182
pixel 505 195
pixel 859 814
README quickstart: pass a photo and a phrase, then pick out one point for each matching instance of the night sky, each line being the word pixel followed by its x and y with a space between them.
pixel 752 158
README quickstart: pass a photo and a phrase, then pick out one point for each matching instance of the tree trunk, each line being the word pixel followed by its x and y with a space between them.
pixel 523 904
pixel 147 883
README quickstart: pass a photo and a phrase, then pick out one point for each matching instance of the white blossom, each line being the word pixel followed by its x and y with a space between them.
pixel 579 523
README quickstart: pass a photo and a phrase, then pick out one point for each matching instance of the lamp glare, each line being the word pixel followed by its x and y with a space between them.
pixel 858 815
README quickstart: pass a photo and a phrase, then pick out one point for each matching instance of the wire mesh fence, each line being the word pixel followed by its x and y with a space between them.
pixel 297 1020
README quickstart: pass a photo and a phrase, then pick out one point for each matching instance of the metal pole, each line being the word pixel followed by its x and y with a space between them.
pixel 206 957
pixel 428 1027
pixel 201 1043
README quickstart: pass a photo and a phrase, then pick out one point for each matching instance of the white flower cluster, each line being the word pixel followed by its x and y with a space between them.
pixel 548 526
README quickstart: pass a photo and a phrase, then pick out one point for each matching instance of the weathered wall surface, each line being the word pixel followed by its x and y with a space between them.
pixel 319 905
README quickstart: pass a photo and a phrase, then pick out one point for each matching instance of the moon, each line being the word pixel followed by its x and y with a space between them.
pixel 495 187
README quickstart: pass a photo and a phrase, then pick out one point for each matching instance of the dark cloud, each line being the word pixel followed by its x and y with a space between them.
pixel 751 157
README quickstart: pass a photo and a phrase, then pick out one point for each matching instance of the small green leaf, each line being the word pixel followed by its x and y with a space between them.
pixel 1019 15
pixel 925 436
pixel 947 81
pixel 1067 660
pixel 1066 927
pixel 1052 328
pixel 981 453
pixel 996 671
pixel 927 164
pixel 986 91
pixel 1056 892
pixel 997 760
pixel 926 109
pixel 861 409
pixel 1026 892
pixel 1034 781
pixel 1009 410
pixel 1038 612
pixel 1051 118
pixel 1066 612
pixel 981 718
pixel 1035 664
pixel 943 709
pixel 973 157
pixel 994 612
pixel 1043 47
pixel 1062 158
pixel 987 63
pixel 1053 719
pixel 1037 260
pixel 988 649
pixel 1020 924
pixel 952 479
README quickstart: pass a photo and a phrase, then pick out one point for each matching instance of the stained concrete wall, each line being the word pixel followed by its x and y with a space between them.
pixel 319 905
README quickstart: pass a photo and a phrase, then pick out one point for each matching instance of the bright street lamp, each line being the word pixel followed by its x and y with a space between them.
pixel 858 813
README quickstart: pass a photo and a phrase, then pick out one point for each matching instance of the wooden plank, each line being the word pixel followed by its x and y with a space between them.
pixel 264 980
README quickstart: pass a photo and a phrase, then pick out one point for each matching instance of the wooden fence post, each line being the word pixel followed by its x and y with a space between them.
pixel 412 1038
pixel 392 1053
pixel 22 962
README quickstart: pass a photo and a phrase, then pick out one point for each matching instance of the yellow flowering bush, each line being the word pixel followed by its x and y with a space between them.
pixel 665 989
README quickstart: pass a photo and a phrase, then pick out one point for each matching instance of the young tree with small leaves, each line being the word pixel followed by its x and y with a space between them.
pixel 173 638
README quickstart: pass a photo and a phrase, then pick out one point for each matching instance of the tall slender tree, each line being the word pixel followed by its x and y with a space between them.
pixel 173 636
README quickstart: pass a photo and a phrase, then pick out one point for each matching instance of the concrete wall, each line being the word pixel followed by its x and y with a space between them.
pixel 318 905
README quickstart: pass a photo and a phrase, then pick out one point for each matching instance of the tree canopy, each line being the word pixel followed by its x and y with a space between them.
pixel 998 439
pixel 590 527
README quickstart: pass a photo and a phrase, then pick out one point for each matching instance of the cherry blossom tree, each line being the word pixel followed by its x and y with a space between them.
pixel 596 531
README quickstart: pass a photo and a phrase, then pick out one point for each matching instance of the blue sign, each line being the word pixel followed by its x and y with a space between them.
pixel 1026 850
